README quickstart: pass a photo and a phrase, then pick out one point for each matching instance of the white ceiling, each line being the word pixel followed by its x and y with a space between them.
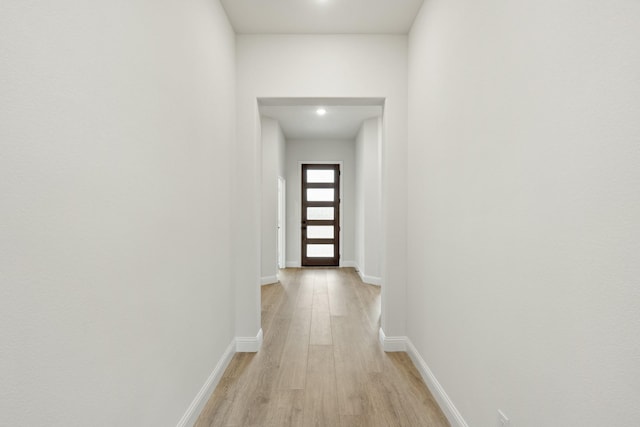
pixel 299 120
pixel 322 16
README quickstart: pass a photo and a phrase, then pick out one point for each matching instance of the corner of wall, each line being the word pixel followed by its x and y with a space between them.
pixel 249 344
pixel 268 280
pixel 370 280
pixel 392 344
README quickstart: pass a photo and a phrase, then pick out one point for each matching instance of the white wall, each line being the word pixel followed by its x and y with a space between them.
pixel 321 66
pixel 273 165
pixel 368 201
pixel 311 151
pixel 525 199
pixel 115 139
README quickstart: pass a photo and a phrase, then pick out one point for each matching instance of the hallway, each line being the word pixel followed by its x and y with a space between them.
pixel 321 363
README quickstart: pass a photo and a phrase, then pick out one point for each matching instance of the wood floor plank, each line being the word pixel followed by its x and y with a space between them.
pixel 287 409
pixel 354 421
pixel 320 313
pixel 336 291
pixel 349 387
pixel 296 347
pixel 320 402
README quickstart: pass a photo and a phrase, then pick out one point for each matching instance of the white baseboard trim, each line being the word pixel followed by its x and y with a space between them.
pixel 249 344
pixel 193 412
pixel 392 344
pixel 268 280
pixel 293 264
pixel 371 280
pixel 445 403
pixel 377 281
pixel 348 264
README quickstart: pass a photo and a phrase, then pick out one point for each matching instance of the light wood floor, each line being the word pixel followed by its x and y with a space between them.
pixel 321 363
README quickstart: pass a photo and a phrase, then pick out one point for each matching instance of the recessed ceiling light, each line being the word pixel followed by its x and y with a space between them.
pixel 321 111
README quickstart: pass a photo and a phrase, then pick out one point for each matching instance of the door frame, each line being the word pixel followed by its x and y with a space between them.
pixel 334 223
pixel 299 205
pixel 282 223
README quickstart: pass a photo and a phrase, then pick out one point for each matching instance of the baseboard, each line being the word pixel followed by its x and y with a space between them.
pixel 249 344
pixel 348 264
pixel 377 281
pixel 268 280
pixel 371 280
pixel 293 264
pixel 445 403
pixel 392 344
pixel 193 412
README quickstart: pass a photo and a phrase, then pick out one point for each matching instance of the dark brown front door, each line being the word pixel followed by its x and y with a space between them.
pixel 320 215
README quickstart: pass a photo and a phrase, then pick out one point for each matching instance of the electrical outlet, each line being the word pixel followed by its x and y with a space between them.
pixel 503 421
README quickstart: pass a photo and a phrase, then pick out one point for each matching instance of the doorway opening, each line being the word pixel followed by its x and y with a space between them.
pixel 332 219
